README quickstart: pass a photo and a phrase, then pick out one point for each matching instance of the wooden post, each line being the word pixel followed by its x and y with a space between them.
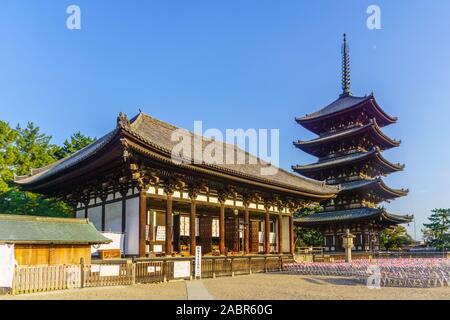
pixel 280 233
pixel 82 274
pixel 222 228
pixel 267 230
pixel 247 230
pixel 142 222
pixel 103 212
pixel 169 224
pixel 192 217
pixel 291 234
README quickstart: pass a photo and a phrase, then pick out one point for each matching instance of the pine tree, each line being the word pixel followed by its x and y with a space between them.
pixel 395 237
pixel 437 232
pixel 77 142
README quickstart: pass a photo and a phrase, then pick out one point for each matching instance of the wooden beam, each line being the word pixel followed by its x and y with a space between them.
pixel 247 230
pixel 192 217
pixel 280 233
pixel 291 234
pixel 222 228
pixel 169 224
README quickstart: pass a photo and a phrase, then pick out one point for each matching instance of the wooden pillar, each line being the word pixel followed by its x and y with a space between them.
pixel 103 198
pixel 142 222
pixel 176 233
pixel 192 216
pixel 267 230
pixel 123 193
pixel 247 229
pixel 86 209
pixel 291 234
pixel 280 233
pixel 169 223
pixel 222 228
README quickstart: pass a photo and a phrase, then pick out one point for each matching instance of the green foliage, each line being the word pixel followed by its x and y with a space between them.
pixel 437 232
pixel 77 142
pixel 307 237
pixel 8 154
pixel 22 149
pixel 15 201
pixel 395 237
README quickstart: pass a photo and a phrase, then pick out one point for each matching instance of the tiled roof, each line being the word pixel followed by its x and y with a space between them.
pixel 351 214
pixel 349 158
pixel 159 134
pixel 43 230
pixel 347 133
pixel 342 103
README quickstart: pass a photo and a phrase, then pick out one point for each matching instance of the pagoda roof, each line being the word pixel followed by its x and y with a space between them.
pixel 382 140
pixel 344 104
pixel 352 215
pixel 345 160
pixel 377 185
pixel 154 137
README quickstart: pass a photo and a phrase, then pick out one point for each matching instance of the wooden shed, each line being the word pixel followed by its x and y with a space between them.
pixel 49 241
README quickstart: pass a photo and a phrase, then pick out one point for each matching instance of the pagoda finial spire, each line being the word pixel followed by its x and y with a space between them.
pixel 345 69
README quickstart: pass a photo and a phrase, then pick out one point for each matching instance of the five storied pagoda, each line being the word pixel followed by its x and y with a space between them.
pixel 349 148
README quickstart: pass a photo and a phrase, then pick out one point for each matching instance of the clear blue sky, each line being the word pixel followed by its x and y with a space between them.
pixel 235 64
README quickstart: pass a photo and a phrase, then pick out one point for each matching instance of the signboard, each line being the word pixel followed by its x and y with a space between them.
pixel 150 269
pixel 147 232
pixel 73 277
pixel 157 248
pixel 109 270
pixel 181 269
pixel 118 242
pixel 7 264
pixel 160 233
pixel 198 261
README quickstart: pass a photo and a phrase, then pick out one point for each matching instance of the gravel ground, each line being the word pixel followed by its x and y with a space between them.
pixel 253 287
pixel 297 287
pixel 160 291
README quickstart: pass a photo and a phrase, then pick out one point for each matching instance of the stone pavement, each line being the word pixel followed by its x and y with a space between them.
pixel 196 290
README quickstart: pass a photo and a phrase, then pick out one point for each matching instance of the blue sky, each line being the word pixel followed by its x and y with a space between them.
pixel 235 64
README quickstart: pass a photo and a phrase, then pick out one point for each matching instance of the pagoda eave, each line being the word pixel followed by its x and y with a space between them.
pixel 326 218
pixel 340 108
pixel 316 146
pixel 376 186
pixel 374 154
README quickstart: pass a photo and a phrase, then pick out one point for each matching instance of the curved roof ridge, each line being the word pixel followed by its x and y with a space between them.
pixel 342 104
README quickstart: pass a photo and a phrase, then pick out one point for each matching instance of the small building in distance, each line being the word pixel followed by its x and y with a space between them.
pixel 349 147
pixel 49 241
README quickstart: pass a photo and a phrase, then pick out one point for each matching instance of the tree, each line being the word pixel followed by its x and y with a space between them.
pixel 8 154
pixel 34 149
pixel 22 149
pixel 77 142
pixel 395 237
pixel 307 237
pixel 437 232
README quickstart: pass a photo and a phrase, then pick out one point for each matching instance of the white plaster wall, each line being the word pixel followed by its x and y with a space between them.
pixel 132 229
pixel 113 216
pixel 286 241
pixel 95 216
pixel 80 214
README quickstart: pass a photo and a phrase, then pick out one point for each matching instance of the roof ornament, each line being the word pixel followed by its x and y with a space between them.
pixel 345 69
pixel 122 120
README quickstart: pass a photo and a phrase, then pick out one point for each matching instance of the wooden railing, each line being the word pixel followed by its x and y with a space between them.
pixel 128 272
